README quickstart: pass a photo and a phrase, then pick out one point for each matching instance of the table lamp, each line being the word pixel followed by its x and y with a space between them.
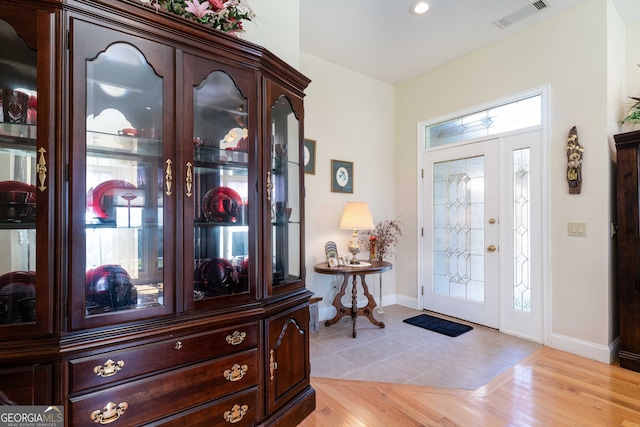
pixel 356 216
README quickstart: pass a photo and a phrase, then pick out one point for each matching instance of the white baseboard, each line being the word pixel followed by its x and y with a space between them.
pixel 327 312
pixel 405 301
pixel 598 352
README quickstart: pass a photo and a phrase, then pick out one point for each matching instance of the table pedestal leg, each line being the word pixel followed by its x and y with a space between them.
pixel 354 303
pixel 337 303
pixel 371 304
pixel 354 311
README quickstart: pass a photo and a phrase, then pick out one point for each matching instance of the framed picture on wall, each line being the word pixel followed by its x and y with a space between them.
pixel 341 176
pixel 310 156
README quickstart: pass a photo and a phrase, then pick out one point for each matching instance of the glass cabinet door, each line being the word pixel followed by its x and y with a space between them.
pixel 123 190
pixel 219 209
pixel 285 196
pixel 24 259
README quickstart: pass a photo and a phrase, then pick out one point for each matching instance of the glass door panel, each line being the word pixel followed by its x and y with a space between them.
pixel 124 179
pixel 221 226
pixel 285 194
pixel 18 168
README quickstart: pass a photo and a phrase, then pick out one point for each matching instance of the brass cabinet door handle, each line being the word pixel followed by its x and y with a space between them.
pixel 168 176
pixel 189 178
pixel 41 169
pixel 269 185
pixel 273 365
pixel 491 248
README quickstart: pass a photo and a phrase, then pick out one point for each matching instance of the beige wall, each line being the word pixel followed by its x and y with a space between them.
pixel 581 54
pixel 352 118
pixel 616 90
pixel 569 52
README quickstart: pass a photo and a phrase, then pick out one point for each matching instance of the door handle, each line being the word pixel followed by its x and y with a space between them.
pixel 491 248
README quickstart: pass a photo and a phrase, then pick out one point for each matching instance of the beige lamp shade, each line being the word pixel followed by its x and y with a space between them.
pixel 357 216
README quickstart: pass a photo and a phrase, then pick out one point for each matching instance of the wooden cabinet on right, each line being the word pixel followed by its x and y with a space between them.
pixel 628 236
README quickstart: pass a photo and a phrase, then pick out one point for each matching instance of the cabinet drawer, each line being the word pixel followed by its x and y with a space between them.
pixel 148 399
pixel 107 368
pixel 238 410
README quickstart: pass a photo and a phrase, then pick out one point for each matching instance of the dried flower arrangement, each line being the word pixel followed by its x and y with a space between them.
pixel 382 240
pixel 574 162
pixel 226 16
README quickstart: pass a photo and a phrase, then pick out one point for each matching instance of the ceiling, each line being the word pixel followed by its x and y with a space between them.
pixel 383 40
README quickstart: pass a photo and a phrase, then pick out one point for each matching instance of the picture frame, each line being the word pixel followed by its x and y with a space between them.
pixel 341 176
pixel 309 156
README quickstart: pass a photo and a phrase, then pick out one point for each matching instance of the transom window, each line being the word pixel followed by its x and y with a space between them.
pixel 516 115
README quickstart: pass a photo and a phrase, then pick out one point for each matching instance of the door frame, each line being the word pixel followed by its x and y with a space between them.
pixel 544 152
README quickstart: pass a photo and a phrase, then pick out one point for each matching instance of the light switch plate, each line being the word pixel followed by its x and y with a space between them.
pixel 578 229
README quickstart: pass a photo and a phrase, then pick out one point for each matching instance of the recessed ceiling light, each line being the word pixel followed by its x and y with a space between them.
pixel 419 8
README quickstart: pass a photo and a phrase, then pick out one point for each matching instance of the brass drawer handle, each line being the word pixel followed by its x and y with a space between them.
pixel 109 368
pixel 236 338
pixel 236 372
pixel 236 413
pixel 110 413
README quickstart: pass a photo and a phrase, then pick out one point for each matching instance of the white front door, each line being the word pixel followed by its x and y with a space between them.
pixel 461 274
pixel 481 245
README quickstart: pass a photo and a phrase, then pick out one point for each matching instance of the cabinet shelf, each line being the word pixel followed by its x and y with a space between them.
pixel 205 224
pixel 17 136
pixel 17 225
pixel 215 158
pixel 106 144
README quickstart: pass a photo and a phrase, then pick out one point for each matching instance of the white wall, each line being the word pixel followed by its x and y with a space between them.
pixel 633 59
pixel 276 27
pixel 569 52
pixel 351 117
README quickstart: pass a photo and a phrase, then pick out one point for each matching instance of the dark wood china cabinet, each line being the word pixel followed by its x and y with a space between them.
pixel 152 221
pixel 628 242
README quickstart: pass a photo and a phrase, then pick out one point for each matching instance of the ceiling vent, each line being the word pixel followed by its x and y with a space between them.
pixel 523 13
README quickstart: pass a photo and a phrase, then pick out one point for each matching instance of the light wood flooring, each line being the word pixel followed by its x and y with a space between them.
pixel 547 388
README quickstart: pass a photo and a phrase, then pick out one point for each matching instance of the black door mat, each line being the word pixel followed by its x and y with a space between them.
pixel 436 324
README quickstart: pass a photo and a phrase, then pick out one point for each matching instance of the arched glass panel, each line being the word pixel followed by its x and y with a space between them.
pixel 124 181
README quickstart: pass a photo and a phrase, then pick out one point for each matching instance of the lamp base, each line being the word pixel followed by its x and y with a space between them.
pixel 354 249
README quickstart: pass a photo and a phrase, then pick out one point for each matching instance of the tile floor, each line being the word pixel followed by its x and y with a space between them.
pixel 406 354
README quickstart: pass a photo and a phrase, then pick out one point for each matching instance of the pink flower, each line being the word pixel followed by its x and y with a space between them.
pixel 217 4
pixel 200 10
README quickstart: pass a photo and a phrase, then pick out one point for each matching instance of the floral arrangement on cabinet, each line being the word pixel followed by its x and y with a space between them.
pixel 382 240
pixel 226 16
pixel 633 117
